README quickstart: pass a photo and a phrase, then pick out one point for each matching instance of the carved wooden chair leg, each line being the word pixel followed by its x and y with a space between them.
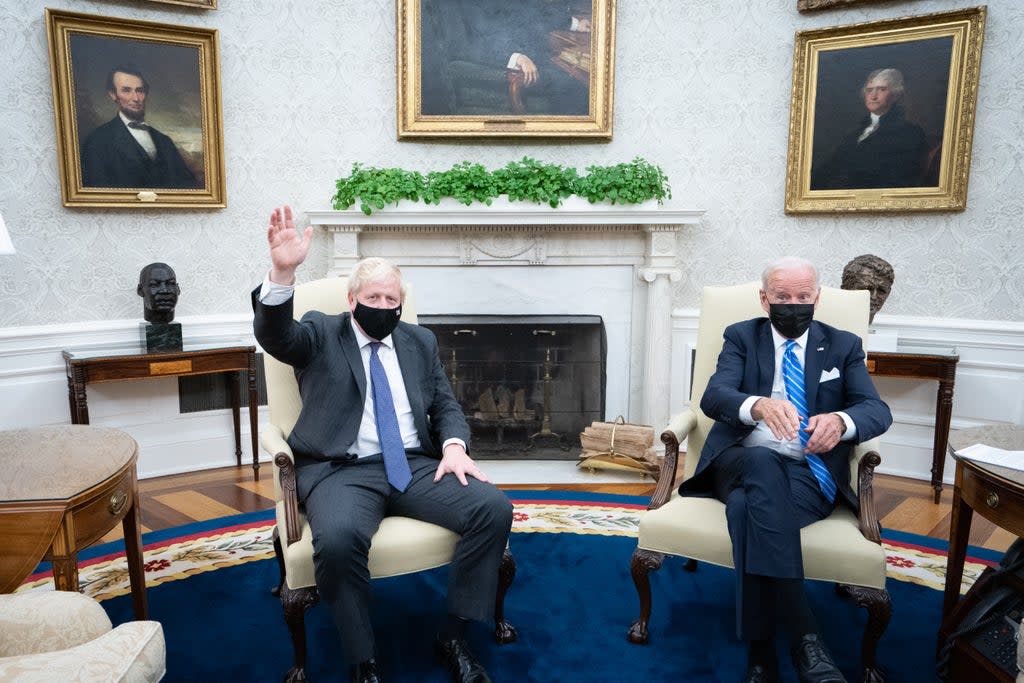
pixel 295 603
pixel 644 561
pixel 879 606
pixel 279 554
pixel 504 632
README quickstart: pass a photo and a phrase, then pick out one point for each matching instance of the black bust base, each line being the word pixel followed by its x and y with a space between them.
pixel 161 336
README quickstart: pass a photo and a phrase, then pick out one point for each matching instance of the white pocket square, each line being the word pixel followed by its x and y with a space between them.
pixel 829 376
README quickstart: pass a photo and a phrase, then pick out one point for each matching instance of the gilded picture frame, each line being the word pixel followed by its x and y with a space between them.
pixel 201 4
pixel 919 77
pixel 137 107
pixel 810 5
pixel 490 69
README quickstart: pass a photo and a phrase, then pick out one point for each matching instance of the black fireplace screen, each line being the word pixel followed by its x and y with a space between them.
pixel 528 384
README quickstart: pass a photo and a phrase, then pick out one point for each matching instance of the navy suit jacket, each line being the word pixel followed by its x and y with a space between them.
pixel 332 382
pixel 111 157
pixel 746 367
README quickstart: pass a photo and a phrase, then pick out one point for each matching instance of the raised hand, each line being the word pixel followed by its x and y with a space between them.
pixel 288 249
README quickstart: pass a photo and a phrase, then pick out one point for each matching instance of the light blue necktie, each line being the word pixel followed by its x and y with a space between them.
pixel 396 465
pixel 793 376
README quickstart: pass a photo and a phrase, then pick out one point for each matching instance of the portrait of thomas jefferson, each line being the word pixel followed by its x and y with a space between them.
pixel 879 116
pixel 138 114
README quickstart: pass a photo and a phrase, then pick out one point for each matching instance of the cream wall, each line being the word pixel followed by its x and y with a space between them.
pixel 702 89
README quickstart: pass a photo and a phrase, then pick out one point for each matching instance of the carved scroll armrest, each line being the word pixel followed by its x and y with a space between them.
pixel 869 526
pixel 272 440
pixel 678 427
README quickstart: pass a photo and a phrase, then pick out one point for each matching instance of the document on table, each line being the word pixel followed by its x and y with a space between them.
pixel 993 456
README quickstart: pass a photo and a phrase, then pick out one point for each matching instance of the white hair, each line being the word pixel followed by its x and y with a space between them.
pixel 894 77
pixel 787 263
pixel 373 269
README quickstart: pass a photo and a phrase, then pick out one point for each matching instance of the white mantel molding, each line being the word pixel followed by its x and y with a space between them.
pixel 501 212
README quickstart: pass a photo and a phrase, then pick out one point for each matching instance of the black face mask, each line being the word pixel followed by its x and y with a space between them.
pixel 377 323
pixel 791 320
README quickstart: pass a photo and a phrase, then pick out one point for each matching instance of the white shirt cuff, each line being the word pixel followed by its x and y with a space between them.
pixel 454 440
pixel 272 294
pixel 745 409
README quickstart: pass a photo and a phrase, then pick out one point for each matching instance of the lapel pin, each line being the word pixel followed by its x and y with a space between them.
pixel 821 348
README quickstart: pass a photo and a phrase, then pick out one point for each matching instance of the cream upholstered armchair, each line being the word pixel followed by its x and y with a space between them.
pixel 63 636
pixel 400 546
pixel 842 548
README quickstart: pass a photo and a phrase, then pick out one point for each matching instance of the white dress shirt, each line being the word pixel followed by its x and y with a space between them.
pixel 141 136
pixel 762 434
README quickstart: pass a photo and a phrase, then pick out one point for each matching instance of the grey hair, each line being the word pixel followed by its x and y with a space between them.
pixel 894 77
pixel 373 269
pixel 788 263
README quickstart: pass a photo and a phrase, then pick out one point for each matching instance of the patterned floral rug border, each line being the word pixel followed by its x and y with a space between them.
pixel 179 558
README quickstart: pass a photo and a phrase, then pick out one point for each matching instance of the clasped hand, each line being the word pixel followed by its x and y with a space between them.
pixel 782 419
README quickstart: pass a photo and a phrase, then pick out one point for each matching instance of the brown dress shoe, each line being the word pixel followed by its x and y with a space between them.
pixel 813 661
pixel 460 662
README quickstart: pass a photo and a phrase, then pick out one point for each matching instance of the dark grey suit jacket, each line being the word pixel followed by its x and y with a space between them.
pixel 111 157
pixel 332 382
pixel 746 367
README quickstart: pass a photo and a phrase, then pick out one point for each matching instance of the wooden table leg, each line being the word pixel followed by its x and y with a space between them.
pixel 64 556
pixel 254 408
pixel 236 417
pixel 943 416
pixel 132 527
pixel 959 530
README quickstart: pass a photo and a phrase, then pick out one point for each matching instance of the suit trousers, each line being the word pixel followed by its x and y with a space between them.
pixel 345 509
pixel 768 498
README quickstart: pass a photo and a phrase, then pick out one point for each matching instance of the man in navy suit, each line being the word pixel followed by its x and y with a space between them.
pixel 755 462
pixel 128 152
pixel 344 477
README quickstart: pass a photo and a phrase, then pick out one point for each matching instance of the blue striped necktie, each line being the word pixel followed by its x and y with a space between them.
pixel 396 464
pixel 793 376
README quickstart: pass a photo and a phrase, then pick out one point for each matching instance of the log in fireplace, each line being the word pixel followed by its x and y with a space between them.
pixel 527 384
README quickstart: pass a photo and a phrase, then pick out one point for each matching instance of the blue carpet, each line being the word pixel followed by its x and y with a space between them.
pixel 572 602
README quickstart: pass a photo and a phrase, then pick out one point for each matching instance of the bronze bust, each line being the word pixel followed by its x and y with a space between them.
pixel 159 290
pixel 872 273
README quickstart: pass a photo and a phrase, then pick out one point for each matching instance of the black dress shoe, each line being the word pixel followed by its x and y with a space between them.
pixel 460 662
pixel 366 672
pixel 813 661
pixel 759 673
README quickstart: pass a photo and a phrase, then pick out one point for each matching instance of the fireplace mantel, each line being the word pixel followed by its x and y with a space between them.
pixel 606 257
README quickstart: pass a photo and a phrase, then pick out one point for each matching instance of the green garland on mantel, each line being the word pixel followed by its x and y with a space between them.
pixel 523 181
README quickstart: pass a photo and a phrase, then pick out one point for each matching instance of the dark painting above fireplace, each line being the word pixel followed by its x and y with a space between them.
pixel 527 384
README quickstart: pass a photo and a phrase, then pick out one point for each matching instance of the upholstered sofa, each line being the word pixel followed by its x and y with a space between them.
pixel 48 636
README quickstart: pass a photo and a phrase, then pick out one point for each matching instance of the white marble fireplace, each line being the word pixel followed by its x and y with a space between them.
pixel 613 261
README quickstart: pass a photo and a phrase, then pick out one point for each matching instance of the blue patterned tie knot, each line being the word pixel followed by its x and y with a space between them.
pixel 793 378
pixel 396 464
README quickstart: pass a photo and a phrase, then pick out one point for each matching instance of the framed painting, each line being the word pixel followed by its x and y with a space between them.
pixel 882 114
pixel 202 4
pixel 808 5
pixel 488 68
pixel 138 112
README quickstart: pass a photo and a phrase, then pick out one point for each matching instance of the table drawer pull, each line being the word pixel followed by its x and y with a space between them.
pixel 992 499
pixel 117 501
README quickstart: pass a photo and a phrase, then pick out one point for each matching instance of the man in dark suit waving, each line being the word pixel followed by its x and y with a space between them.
pixel 127 151
pixel 380 433
pixel 790 396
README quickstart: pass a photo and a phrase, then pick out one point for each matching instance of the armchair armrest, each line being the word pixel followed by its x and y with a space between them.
pixel 678 427
pixel 272 441
pixel 869 525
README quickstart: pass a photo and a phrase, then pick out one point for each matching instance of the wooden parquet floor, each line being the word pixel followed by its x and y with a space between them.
pixel 903 504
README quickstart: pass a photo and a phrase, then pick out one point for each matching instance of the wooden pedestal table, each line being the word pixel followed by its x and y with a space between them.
pixel 63 488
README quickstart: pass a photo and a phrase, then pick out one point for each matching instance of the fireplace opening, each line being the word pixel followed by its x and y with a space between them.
pixel 527 384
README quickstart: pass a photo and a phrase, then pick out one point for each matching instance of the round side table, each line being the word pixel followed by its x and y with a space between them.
pixel 63 488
